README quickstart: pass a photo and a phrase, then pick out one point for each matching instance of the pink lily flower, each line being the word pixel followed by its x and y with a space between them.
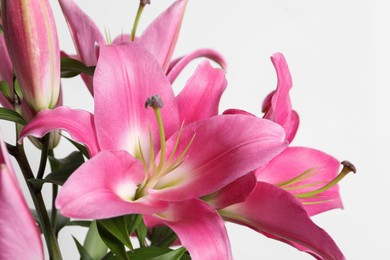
pixel 159 38
pixel 33 47
pixel 20 237
pixel 307 169
pixel 144 162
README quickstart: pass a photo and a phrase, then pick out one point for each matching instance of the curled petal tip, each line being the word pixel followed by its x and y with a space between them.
pixel 349 166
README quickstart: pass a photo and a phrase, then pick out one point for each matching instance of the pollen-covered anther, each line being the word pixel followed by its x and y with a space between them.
pixel 348 166
pixel 145 2
pixel 154 101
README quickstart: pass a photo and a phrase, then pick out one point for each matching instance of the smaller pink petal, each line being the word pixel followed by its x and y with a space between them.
pixel 234 111
pixel 86 36
pixel 278 215
pixel 296 160
pixel 161 35
pixel 177 65
pixel 200 229
pixel 105 187
pixel 200 97
pixel 78 123
pixel 233 193
pixel 20 237
pixel 278 103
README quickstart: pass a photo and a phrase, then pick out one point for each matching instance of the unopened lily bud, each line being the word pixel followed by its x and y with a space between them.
pixel 32 43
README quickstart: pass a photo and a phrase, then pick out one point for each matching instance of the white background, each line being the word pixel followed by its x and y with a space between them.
pixel 337 52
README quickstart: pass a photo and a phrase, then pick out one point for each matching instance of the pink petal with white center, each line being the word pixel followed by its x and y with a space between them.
pixel 200 229
pixel 278 102
pixel 20 237
pixel 321 169
pixel 78 123
pixel 224 149
pixel 200 97
pixel 126 75
pixel 177 65
pixel 161 35
pixel 278 215
pixel 105 187
pixel 86 36
pixel 233 193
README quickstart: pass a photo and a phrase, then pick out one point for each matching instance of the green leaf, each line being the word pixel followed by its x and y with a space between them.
pixel 12 116
pixel 79 147
pixel 113 243
pixel 17 89
pixel 118 228
pixel 64 167
pixel 173 255
pixel 80 223
pixel 5 89
pixel 154 253
pixel 94 244
pixel 162 237
pixel 84 255
pixel 1 28
pixel 135 221
pixel 141 232
pixel 71 68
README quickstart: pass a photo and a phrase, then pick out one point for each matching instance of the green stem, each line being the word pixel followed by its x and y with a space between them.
pixel 136 21
pixel 54 196
pixel 36 195
pixel 44 153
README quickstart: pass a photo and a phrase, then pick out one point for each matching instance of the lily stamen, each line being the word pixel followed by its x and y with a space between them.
pixel 348 167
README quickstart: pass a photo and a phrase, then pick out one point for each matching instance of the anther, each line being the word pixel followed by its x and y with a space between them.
pixel 145 2
pixel 154 102
pixel 348 166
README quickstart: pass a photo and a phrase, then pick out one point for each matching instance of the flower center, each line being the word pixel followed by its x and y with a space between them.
pixel 153 172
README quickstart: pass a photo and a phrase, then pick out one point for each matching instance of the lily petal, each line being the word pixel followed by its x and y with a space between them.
pixel 107 183
pixel 203 234
pixel 177 65
pixel 78 123
pixel 320 169
pixel 200 97
pixel 125 76
pixel 279 104
pixel 20 237
pixel 161 35
pixel 233 193
pixel 224 148
pixel 277 214
pixel 86 35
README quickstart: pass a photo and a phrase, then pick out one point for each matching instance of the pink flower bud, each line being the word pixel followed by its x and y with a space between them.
pixel 32 43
